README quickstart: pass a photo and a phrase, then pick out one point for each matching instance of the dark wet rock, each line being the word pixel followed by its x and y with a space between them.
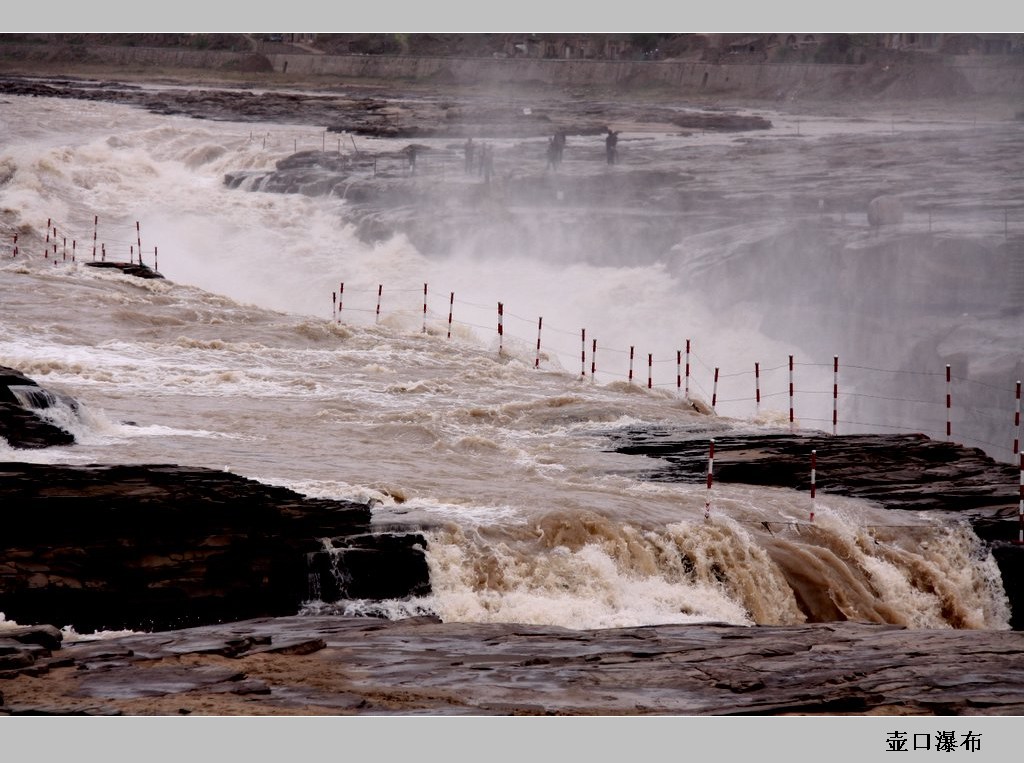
pixel 908 472
pixel 21 425
pixel 422 666
pixel 136 269
pixel 162 546
pixel 366 111
pixel 901 471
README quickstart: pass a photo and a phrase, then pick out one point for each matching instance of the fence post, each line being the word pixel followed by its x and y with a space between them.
pixel 814 470
pixel 631 364
pixel 714 391
pixel 1016 423
pixel 341 298
pixel 501 330
pixel 757 386
pixel 1020 505
pixel 949 399
pixel 835 393
pixel 686 390
pixel 790 393
pixel 451 307
pixel 650 370
pixel 424 308
pixel 711 471
pixel 583 353
pixel 380 290
pixel 593 358
pixel 540 322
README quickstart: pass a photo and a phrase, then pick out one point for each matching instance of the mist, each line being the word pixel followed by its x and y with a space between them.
pixel 753 245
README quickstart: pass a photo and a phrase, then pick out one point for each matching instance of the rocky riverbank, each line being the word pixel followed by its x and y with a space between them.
pixel 360 666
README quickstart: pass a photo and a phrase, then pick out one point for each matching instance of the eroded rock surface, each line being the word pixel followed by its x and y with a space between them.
pixel 348 666
pixel 163 546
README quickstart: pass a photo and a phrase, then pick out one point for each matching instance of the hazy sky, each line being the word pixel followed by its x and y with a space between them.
pixel 594 16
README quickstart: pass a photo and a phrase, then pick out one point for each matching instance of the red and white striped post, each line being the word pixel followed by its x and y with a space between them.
pixel 835 393
pixel 103 252
pixel 711 472
pixel 540 322
pixel 757 386
pixel 334 306
pixel 790 393
pixel 583 353
pixel 650 370
pixel 380 291
pixel 593 358
pixel 814 470
pixel 686 389
pixel 341 298
pixel 679 371
pixel 714 391
pixel 64 253
pixel 631 364
pixel 156 260
pixel 949 401
pixel 131 254
pixel 138 240
pixel 1020 504
pixel 74 250
pixel 424 308
pixel 501 329
pixel 451 307
pixel 95 225
pixel 1016 424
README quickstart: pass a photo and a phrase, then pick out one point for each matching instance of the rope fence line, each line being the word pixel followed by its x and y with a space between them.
pixel 747 388
pixel 60 245
pixel 63 242
pixel 813 468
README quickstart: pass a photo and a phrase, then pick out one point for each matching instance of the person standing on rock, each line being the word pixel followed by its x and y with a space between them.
pixel 487 160
pixel 411 150
pixel 469 149
pixel 611 146
pixel 559 147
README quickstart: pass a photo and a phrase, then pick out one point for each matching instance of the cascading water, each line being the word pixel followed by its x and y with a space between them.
pixel 236 361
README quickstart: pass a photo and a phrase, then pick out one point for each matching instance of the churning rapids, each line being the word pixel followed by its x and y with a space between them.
pixel 498 452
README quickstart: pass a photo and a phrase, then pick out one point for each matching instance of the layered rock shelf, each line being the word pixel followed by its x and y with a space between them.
pixel 22 426
pixel 419 666
pixel 153 547
pixel 908 472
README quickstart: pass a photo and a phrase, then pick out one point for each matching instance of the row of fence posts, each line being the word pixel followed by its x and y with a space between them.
pixel 682 377
pixel 54 238
pixel 814 482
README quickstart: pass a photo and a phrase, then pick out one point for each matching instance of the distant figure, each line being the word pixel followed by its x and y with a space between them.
pixel 559 147
pixel 552 154
pixel 469 149
pixel 611 146
pixel 487 159
pixel 411 150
